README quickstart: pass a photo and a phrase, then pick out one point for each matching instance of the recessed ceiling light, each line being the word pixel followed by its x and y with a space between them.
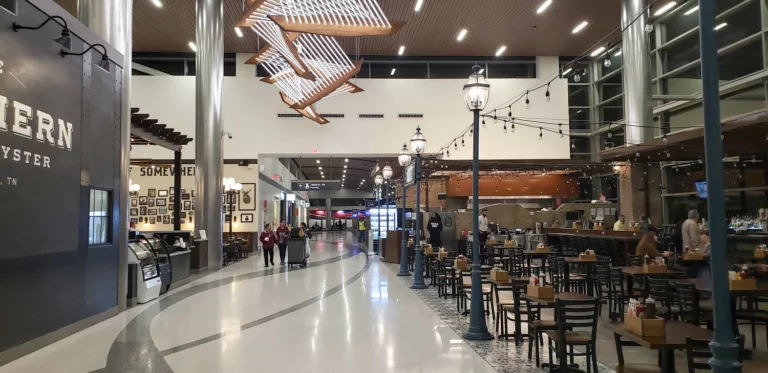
pixel 319 167
pixel 544 7
pixel 401 50
pixel 323 176
pixel 419 4
pixel 692 10
pixel 317 161
pixel 462 34
pixel 501 50
pixel 157 3
pixel 566 71
pixel 393 72
pixel 345 171
pixel 720 26
pixel 238 32
pixel 617 53
pixel 346 159
pixel 597 51
pixel 192 46
pixel 665 8
pixel 345 166
pixel 580 27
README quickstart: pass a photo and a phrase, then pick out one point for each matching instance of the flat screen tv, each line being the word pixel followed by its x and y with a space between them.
pixel 701 189
pixel 571 215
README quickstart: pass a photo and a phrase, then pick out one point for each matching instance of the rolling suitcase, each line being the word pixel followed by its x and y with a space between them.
pixel 297 252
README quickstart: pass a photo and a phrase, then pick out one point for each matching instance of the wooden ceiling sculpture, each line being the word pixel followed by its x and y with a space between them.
pixel 302 57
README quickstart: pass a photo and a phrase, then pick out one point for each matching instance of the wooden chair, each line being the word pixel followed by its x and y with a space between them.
pixel 573 317
pixel 536 328
pixel 446 276
pixel 698 353
pixel 571 282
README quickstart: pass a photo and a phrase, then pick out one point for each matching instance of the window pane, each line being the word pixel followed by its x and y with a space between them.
pixel 401 71
pixel 579 145
pixel 516 70
pixel 611 87
pixel 579 118
pixel 99 217
pixel 612 113
pixel 612 139
pixel 578 95
pixel 682 52
pixel 616 62
pixel 450 70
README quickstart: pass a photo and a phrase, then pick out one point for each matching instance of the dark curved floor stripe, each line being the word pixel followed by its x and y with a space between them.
pixel 273 316
pixel 134 350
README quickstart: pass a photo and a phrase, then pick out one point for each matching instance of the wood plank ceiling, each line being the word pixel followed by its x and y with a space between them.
pixel 429 32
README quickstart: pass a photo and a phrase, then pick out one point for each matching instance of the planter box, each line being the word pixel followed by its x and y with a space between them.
pixel 541 292
pixel 644 327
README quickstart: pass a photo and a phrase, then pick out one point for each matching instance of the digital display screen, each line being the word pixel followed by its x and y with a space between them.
pixel 701 189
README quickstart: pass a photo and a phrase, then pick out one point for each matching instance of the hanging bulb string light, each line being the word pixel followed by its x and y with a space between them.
pixel 609 38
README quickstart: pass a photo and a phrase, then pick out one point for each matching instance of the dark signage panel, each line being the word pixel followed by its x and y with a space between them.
pixel 302 185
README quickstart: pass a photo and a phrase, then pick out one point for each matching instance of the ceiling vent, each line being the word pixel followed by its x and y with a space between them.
pixel 332 115
pixel 410 115
pixel 371 116
pixel 289 115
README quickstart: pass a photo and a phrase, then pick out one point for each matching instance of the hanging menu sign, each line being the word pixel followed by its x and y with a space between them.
pixel 302 185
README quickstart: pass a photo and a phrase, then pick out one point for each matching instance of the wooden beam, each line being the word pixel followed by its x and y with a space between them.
pixel 243 21
pixel 305 112
pixel 330 88
pixel 336 30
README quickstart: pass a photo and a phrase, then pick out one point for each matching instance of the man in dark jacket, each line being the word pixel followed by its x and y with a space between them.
pixel 435 228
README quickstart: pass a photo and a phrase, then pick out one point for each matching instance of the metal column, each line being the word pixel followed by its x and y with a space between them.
pixel 113 21
pixel 418 268
pixel 328 219
pixel 209 158
pixel 725 350
pixel 637 72
pixel 404 248
pixel 478 330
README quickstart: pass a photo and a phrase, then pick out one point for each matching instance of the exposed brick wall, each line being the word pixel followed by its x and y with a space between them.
pixel 632 192
pixel 435 186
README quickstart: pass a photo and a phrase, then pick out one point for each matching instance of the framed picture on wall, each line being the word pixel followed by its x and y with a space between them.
pixel 134 202
pixel 133 194
pixel 160 202
pixel 143 201
pixel 185 196
pixel 151 192
pixel 162 193
pixel 246 218
pixel 226 218
pixel 183 191
pixel 193 193
pixel 172 198
pixel 162 210
pixel 152 212
pixel 183 215
pixel 142 210
pixel 247 197
pixel 191 213
pixel 152 220
pixel 170 207
pixel 134 212
pixel 187 205
pixel 182 221
pixel 141 219
pixel 171 190
pixel 166 219
pixel 172 219
pixel 134 220
pixel 151 202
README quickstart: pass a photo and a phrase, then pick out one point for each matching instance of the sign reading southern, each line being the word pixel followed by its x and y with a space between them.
pixel 299 185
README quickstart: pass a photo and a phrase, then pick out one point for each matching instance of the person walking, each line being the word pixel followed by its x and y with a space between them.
pixel 361 229
pixel 690 231
pixel 435 228
pixel 268 240
pixel 283 233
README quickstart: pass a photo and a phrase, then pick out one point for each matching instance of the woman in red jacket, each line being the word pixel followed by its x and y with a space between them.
pixel 283 233
pixel 268 241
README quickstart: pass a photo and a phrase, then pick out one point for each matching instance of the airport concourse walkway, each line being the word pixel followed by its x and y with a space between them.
pixel 346 312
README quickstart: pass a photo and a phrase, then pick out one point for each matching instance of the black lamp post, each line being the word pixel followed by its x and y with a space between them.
pixel 386 172
pixel 476 93
pixel 231 189
pixel 418 145
pixel 378 180
pixel 404 158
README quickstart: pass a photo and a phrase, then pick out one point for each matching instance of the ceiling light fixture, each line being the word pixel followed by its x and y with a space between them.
pixel 319 168
pixel 65 40
pixel 665 8
pixel 401 50
pixel 193 46
pixel 579 27
pixel 720 26
pixel 481 71
pixel 346 160
pixel 419 4
pixel 317 161
pixel 157 3
pixel 566 71
pixel 393 72
pixel 462 34
pixel 692 10
pixel 544 7
pixel 597 51
pixel 238 32
pixel 345 166
pixel 617 53
pixel 501 50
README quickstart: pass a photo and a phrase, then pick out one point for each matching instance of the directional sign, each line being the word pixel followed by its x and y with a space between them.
pixel 370 203
pixel 303 185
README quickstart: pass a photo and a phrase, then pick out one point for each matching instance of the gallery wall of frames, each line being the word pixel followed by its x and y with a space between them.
pixel 151 208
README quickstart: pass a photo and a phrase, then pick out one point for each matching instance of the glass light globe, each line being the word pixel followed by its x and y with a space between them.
pixel 404 157
pixel 418 142
pixel 386 172
pixel 607 62
pixel 476 90
pixel 378 180
pixel 576 78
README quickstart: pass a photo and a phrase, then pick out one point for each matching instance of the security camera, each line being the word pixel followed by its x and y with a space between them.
pixel 228 134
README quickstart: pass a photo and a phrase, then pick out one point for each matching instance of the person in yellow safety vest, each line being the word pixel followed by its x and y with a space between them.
pixel 361 229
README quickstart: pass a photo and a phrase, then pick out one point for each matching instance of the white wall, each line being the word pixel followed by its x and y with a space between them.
pixel 241 175
pixel 251 107
pixel 269 194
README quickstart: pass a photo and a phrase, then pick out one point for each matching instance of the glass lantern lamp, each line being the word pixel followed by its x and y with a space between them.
pixel 404 157
pixel 378 180
pixel 476 90
pixel 386 172
pixel 418 142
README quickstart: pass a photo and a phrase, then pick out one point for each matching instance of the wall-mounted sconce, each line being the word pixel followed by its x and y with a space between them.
pixel 64 40
pixel 234 218
pixel 104 63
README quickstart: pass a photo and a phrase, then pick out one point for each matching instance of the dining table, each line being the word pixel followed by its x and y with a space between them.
pixel 533 254
pixel 506 285
pixel 674 339
pixel 630 272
